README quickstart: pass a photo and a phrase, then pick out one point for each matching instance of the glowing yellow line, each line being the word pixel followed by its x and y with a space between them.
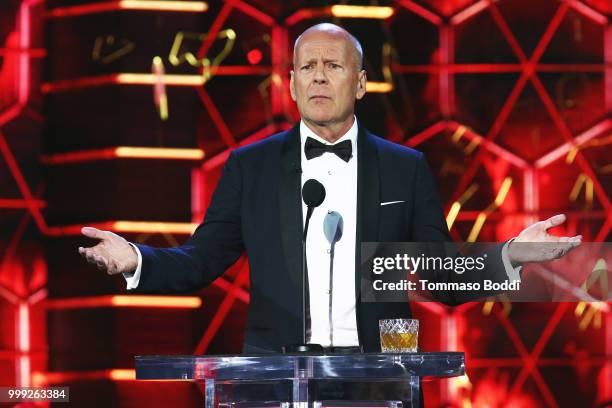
pixel 452 214
pixel 577 185
pixel 472 145
pixel 163 5
pixel 121 374
pixel 150 79
pixel 191 302
pixel 468 193
pixel 480 220
pixel 579 308
pixel 588 192
pixel 487 307
pixel 109 6
pixel 503 191
pixel 379 87
pixel 183 302
pixel 456 207
pixel 362 11
pixel 458 133
pixel 571 155
pixel 154 227
pixel 159 153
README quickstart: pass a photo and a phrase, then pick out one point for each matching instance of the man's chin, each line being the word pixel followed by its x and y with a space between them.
pixel 321 123
pixel 321 120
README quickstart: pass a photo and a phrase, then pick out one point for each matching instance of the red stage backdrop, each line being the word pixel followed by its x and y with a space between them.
pixel 120 114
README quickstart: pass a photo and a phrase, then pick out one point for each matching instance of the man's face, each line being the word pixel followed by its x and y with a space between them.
pixel 325 80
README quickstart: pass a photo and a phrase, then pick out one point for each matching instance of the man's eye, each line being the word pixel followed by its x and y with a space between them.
pixel 305 67
pixel 334 66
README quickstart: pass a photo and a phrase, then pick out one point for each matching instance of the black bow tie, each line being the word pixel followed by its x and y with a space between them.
pixel 314 148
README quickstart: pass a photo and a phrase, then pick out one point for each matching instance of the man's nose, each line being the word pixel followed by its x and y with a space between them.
pixel 319 75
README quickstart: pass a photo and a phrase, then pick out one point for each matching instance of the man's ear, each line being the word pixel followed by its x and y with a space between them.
pixel 292 86
pixel 361 84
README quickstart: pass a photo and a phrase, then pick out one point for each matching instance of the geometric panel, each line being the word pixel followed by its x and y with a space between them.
pixel 525 18
pixel 578 39
pixel 492 48
pixel 480 98
pixel 529 131
pixel 579 97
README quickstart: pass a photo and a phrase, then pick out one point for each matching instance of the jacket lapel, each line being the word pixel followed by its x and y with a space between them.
pixel 290 210
pixel 368 199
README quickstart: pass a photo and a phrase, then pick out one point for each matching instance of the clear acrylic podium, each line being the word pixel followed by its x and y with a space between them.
pixel 306 380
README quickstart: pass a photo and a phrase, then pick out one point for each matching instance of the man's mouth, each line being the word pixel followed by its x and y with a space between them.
pixel 319 97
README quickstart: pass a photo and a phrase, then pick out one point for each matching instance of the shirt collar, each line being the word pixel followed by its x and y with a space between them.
pixel 351 135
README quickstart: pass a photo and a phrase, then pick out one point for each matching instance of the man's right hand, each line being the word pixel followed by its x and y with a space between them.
pixel 113 254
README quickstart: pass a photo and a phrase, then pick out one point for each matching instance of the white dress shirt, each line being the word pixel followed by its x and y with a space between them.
pixel 340 181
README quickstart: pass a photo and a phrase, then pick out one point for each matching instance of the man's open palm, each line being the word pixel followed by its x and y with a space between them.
pixel 535 244
pixel 113 254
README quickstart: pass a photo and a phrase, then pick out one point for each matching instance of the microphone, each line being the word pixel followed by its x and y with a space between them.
pixel 333 226
pixel 313 194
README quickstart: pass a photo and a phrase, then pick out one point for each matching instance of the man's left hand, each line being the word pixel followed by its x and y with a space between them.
pixel 535 244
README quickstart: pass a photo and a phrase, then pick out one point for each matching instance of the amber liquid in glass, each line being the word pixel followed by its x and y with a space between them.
pixel 399 341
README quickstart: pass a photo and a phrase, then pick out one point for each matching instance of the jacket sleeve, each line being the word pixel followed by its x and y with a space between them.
pixel 429 224
pixel 214 246
pixel 430 228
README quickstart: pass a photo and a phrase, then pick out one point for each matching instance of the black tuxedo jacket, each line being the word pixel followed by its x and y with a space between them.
pixel 257 207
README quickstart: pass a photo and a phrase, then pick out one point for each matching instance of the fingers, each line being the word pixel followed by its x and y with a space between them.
pixel 100 262
pixel 92 232
pixel 565 245
pixel 574 241
pixel 95 258
pixel 554 221
pixel 88 254
pixel 112 267
pixel 560 251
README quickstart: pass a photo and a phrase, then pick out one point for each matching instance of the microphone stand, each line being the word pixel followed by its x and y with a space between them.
pixel 304 272
pixel 333 226
pixel 331 294
pixel 304 347
pixel 313 194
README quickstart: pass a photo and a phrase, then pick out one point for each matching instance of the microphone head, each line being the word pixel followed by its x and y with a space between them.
pixel 313 193
pixel 333 225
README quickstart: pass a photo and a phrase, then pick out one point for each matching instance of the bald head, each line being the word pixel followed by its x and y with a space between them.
pixel 333 31
pixel 327 79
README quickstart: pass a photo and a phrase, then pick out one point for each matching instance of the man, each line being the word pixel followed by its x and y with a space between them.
pixel 384 192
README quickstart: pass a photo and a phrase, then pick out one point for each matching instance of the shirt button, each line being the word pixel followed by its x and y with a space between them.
pixel 329 172
pixel 328 251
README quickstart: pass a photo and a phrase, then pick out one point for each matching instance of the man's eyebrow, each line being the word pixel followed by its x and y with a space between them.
pixel 326 60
